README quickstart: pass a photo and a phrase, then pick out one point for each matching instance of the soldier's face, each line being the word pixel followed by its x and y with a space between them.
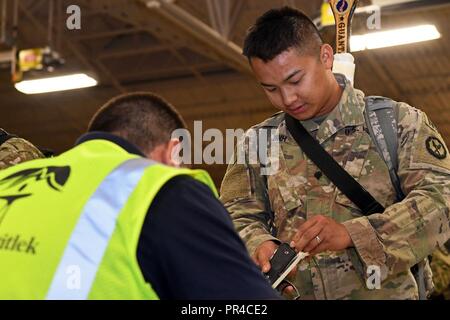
pixel 300 85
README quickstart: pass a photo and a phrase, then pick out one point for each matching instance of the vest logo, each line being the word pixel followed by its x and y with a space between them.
pixel 15 186
pixel 18 244
pixel 342 6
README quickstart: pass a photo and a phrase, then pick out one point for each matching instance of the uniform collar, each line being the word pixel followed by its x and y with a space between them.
pixel 121 142
pixel 348 112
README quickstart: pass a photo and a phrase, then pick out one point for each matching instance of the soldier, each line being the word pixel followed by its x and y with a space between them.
pixel 298 204
pixel 14 150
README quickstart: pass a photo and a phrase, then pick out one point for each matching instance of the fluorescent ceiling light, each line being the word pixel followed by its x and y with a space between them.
pixel 394 37
pixel 52 84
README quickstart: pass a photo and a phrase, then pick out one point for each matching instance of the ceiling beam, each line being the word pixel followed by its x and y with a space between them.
pixel 173 26
pixel 165 72
pixel 227 51
pixel 79 53
pixel 134 13
pixel 107 34
pixel 131 52
pixel 236 13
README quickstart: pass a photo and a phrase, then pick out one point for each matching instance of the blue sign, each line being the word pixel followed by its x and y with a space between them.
pixel 342 6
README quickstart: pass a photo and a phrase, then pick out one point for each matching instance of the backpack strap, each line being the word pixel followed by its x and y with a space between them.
pixel 381 121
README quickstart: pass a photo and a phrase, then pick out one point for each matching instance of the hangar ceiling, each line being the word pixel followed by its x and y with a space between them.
pixel 189 52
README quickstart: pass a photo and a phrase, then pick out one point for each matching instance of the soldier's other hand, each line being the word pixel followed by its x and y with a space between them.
pixel 263 254
pixel 320 234
pixel 262 257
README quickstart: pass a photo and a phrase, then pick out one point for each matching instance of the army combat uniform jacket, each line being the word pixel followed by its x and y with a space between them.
pixel 17 150
pixel 272 206
pixel 440 265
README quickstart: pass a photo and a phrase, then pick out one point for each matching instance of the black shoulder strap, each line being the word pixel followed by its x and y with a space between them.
pixel 341 178
pixel 5 136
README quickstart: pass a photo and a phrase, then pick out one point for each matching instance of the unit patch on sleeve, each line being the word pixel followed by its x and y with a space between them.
pixel 436 148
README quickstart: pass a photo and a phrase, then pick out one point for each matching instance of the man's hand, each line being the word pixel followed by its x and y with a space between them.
pixel 320 234
pixel 262 257
pixel 263 254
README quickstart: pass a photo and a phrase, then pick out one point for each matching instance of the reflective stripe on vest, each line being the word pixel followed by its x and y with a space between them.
pixel 91 235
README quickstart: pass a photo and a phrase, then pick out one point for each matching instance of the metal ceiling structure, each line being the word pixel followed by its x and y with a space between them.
pixel 189 52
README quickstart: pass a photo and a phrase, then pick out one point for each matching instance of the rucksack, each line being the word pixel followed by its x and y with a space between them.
pixel 381 120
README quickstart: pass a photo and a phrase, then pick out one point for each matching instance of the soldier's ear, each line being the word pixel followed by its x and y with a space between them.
pixel 326 56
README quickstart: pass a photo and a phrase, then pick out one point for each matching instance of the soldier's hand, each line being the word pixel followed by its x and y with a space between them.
pixel 263 254
pixel 262 257
pixel 320 234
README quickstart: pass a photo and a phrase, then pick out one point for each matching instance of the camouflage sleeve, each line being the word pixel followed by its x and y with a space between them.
pixel 17 150
pixel 440 264
pixel 243 192
pixel 410 230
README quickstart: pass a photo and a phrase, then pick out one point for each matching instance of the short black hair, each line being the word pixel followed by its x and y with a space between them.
pixel 278 30
pixel 143 118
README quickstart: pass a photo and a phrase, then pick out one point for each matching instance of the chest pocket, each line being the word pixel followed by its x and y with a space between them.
pixel 366 166
pixel 290 189
pixel 287 186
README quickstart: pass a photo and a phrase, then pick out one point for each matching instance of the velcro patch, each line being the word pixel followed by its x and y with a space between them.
pixel 429 148
pixel 235 184
pixel 436 148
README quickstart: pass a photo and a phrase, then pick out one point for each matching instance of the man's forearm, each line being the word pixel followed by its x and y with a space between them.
pixel 401 236
pixel 252 226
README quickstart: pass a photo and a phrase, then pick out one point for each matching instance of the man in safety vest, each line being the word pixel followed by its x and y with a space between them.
pixel 112 218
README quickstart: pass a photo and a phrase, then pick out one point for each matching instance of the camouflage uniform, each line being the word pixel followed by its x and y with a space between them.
pixel 440 265
pixel 272 207
pixel 16 150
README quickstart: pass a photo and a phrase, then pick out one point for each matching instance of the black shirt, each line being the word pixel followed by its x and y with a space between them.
pixel 188 248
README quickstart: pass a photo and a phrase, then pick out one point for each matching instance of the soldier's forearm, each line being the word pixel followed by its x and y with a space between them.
pixel 367 244
pixel 404 234
pixel 253 228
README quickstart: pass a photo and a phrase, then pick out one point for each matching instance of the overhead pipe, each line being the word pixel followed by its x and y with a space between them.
pixel 3 21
